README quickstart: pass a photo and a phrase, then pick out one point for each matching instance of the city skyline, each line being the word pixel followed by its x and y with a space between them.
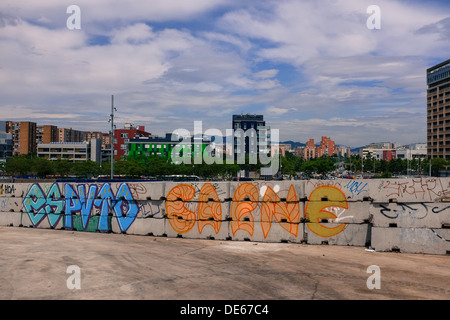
pixel 311 70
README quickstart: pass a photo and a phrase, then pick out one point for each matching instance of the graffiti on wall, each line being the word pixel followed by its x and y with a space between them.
pixel 415 211
pixel 83 202
pixel 246 201
pixel 356 187
pixel 425 189
pixel 317 210
pixel 92 207
pixel 7 189
pixel 286 213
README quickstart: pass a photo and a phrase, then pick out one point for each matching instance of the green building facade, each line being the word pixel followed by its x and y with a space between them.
pixel 163 147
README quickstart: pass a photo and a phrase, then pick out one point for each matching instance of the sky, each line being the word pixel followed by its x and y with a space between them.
pixel 313 68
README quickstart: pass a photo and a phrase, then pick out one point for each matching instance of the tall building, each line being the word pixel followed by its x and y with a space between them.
pixel 24 136
pixel 343 152
pixel 255 141
pixel 438 111
pixel 46 134
pixel 309 151
pixel 325 148
pixel 70 135
pixel 88 135
pixel 6 142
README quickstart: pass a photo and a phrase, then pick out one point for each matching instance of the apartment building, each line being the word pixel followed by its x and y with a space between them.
pixel 6 142
pixel 325 148
pixel 46 134
pixel 70 135
pixel 23 135
pixel 438 111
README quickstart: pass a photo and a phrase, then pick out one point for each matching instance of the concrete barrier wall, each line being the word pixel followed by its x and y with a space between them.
pixel 406 215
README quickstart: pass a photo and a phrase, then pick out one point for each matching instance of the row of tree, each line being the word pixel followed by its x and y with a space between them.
pixel 155 166
pixel 152 166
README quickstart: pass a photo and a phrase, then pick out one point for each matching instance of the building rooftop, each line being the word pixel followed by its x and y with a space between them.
pixel 238 117
pixel 438 72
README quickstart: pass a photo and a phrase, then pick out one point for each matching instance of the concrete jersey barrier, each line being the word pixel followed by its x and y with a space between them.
pixel 405 215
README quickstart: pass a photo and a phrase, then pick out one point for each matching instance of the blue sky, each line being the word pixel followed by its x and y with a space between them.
pixel 312 68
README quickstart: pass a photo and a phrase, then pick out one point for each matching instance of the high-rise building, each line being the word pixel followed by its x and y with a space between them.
pixel 438 111
pixel 6 142
pixel 256 141
pixel 70 135
pixel 309 151
pixel 24 136
pixel 46 134
pixel 88 135
pixel 326 148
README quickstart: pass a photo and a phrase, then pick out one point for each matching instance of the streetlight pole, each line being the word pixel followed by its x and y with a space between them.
pixel 112 135
pixel 430 168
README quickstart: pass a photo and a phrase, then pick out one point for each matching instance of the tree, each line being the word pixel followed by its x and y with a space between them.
pixel 19 165
pixel 397 166
pixel 309 167
pixel 41 167
pixel 324 165
pixel 62 167
pixel 86 169
pixel 437 164
pixel 291 164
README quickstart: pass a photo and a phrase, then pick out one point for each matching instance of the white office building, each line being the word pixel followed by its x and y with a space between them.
pixel 72 151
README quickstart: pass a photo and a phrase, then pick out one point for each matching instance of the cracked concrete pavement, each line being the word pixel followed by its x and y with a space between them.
pixel 34 265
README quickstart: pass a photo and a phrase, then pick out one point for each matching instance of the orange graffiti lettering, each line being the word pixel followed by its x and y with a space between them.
pixel 209 208
pixel 180 218
pixel 244 202
pixel 316 210
pixel 287 214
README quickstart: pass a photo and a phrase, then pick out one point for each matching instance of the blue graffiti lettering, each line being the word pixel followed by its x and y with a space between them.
pixel 356 187
pixel 81 200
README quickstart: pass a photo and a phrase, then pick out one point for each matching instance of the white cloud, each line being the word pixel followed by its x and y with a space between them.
pixel 117 11
pixel 272 110
pixel 304 30
pixel 265 74
pixel 312 69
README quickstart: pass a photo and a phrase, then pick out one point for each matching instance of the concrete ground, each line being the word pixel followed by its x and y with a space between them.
pixel 34 262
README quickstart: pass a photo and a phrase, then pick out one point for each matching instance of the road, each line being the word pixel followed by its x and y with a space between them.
pixel 34 265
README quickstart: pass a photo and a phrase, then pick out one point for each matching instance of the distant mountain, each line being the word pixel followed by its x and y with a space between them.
pixel 356 150
pixel 294 144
